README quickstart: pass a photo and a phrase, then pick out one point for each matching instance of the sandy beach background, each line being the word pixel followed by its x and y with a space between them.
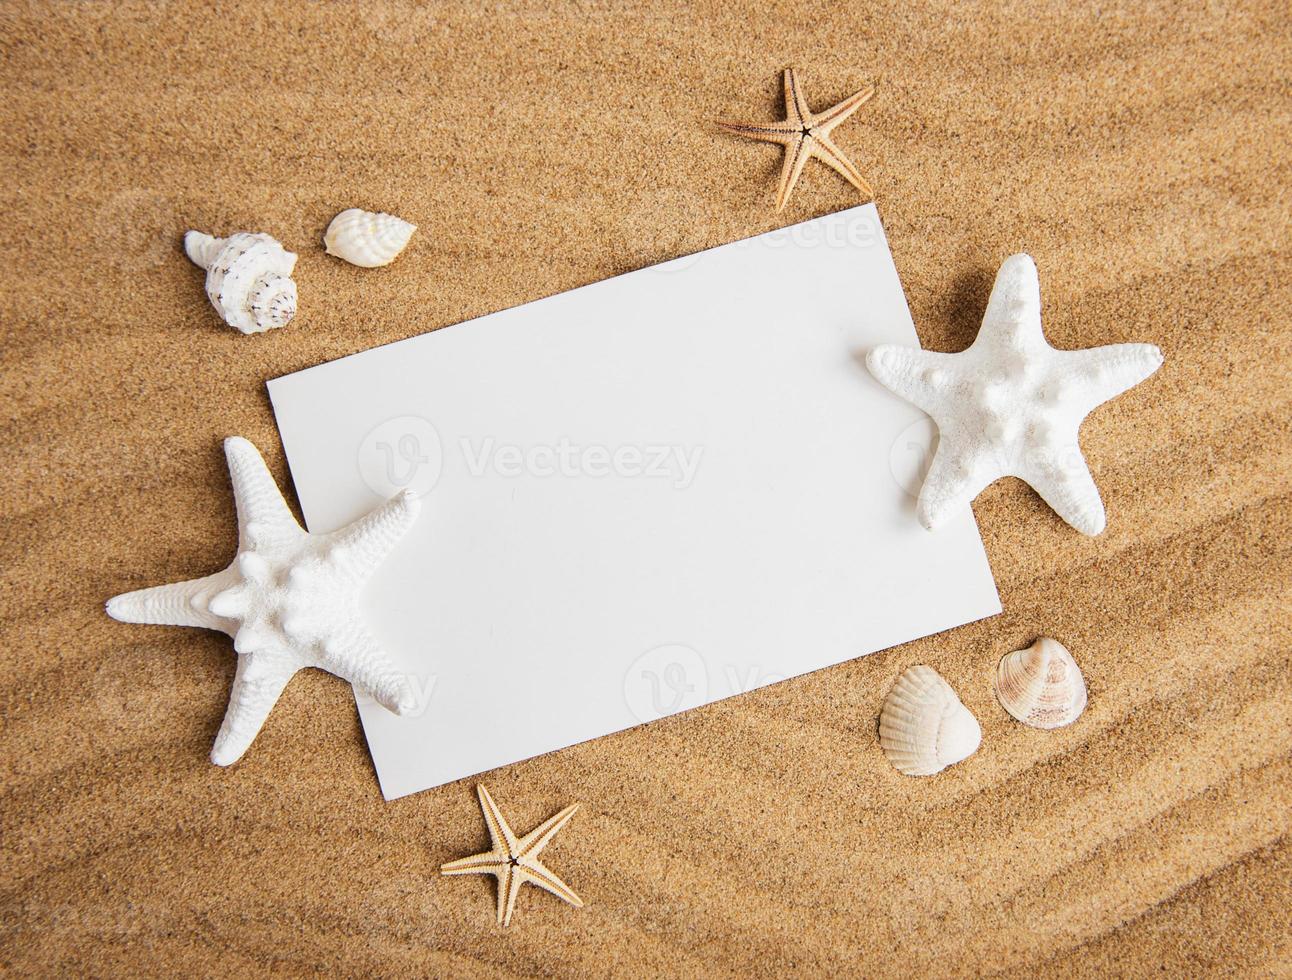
pixel 1138 151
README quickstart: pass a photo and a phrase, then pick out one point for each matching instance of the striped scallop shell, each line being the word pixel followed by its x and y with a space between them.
pixel 366 238
pixel 923 727
pixel 1041 686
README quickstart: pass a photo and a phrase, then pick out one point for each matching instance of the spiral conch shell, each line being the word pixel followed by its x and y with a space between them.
pixel 248 278
pixel 923 727
pixel 1041 686
pixel 366 238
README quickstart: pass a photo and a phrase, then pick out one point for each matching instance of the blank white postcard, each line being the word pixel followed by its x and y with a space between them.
pixel 639 496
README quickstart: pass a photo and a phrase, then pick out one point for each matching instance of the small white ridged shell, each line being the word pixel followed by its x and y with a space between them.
pixel 366 238
pixel 923 727
pixel 248 278
pixel 1041 686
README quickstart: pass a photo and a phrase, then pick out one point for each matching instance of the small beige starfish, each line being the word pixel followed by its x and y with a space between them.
pixel 515 862
pixel 806 135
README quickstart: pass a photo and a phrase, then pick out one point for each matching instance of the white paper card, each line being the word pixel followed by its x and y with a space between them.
pixel 640 496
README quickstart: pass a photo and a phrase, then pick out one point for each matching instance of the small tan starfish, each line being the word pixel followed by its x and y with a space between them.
pixel 515 862
pixel 806 135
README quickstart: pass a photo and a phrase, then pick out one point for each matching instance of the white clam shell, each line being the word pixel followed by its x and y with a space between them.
pixel 248 278
pixel 1041 686
pixel 367 238
pixel 923 727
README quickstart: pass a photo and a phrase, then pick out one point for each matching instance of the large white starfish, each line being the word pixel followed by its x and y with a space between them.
pixel 289 600
pixel 1011 404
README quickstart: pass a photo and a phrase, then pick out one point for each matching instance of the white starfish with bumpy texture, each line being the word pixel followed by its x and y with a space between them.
pixel 1011 404
pixel 289 600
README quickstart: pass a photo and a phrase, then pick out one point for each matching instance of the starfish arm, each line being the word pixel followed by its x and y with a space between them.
pixel 537 839
pixel 1013 314
pixel 829 154
pixel 916 375
pixel 509 882
pixel 796 155
pixel 950 486
pixel 796 107
pixel 1108 371
pixel 488 863
pixel 353 654
pixel 781 133
pixel 259 681
pixel 357 549
pixel 501 835
pixel 832 117
pixel 539 874
pixel 176 604
pixel 1069 488
pixel 264 519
